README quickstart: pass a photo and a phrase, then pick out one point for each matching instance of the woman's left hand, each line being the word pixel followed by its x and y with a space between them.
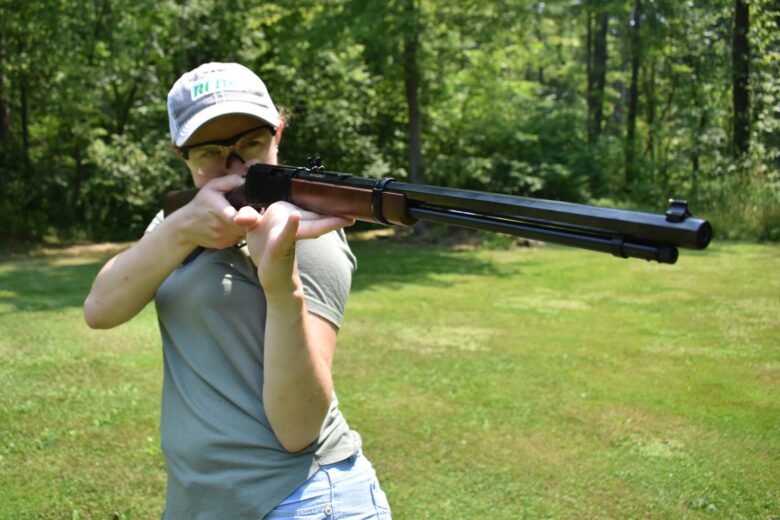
pixel 271 240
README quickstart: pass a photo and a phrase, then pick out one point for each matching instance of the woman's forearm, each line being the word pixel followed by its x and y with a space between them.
pixel 299 346
pixel 129 281
pixel 298 386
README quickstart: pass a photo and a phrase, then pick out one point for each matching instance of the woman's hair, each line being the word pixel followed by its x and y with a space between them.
pixel 285 115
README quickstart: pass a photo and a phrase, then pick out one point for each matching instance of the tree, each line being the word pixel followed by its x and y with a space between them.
pixel 740 77
pixel 633 94
pixel 411 73
pixel 597 25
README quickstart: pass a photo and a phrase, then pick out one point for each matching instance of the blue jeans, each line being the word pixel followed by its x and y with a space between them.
pixel 346 490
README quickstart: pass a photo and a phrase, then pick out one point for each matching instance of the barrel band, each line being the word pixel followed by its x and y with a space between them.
pixel 376 200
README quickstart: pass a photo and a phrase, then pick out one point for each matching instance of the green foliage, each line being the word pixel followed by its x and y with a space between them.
pixel 503 100
pixel 742 208
pixel 127 185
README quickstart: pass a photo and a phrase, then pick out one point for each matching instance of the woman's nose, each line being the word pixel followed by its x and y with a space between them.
pixel 234 163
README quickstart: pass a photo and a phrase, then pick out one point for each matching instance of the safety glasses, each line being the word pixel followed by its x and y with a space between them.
pixel 252 144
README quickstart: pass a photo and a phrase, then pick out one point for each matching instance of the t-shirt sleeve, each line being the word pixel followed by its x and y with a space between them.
pixel 325 265
pixel 155 222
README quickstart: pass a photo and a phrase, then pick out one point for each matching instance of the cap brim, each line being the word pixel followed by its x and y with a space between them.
pixel 269 115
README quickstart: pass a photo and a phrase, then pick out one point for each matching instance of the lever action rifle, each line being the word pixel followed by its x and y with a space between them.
pixel 387 201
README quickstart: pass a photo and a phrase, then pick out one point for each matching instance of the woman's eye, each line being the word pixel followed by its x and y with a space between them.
pixel 253 146
pixel 206 153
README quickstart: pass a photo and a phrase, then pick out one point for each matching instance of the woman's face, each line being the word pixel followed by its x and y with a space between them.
pixel 251 141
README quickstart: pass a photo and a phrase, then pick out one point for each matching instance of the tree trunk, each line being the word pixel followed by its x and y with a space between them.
pixel 412 87
pixel 597 72
pixel 649 90
pixel 741 71
pixel 25 125
pixel 74 212
pixel 633 96
pixel 598 76
pixel 5 106
pixel 695 167
pixel 589 69
pixel 124 105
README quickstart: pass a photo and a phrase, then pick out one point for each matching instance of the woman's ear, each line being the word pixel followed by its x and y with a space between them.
pixel 177 152
pixel 278 135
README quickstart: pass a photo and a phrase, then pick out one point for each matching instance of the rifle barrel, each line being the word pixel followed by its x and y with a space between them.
pixel 690 233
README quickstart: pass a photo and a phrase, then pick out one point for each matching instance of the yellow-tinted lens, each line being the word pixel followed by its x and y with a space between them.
pixel 205 156
pixel 254 145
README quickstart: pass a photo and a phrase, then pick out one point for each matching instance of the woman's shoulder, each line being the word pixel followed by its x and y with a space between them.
pixel 331 249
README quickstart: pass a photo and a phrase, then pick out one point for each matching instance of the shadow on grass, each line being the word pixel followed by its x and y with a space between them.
pixel 38 285
pixel 391 262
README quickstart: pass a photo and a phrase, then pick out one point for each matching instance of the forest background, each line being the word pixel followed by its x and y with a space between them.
pixel 615 102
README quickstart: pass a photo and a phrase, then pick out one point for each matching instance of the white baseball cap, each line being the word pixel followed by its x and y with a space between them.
pixel 213 90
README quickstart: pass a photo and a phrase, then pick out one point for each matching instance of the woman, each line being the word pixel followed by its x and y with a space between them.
pixel 249 307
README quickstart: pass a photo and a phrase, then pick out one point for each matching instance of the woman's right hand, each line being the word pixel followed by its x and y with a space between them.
pixel 207 220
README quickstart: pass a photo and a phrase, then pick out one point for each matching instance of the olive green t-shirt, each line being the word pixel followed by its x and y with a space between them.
pixel 223 459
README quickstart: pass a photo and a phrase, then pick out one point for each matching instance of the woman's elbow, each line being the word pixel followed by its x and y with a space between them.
pixel 297 442
pixel 296 432
pixel 94 315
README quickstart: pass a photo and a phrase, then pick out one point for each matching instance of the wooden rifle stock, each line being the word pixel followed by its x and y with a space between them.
pixel 622 233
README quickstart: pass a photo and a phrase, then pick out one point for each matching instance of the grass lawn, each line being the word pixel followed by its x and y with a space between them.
pixel 527 383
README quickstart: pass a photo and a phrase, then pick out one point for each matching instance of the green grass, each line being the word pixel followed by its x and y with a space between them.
pixel 486 384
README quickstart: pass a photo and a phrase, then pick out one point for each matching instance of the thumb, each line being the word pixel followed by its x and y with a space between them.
pixel 226 183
